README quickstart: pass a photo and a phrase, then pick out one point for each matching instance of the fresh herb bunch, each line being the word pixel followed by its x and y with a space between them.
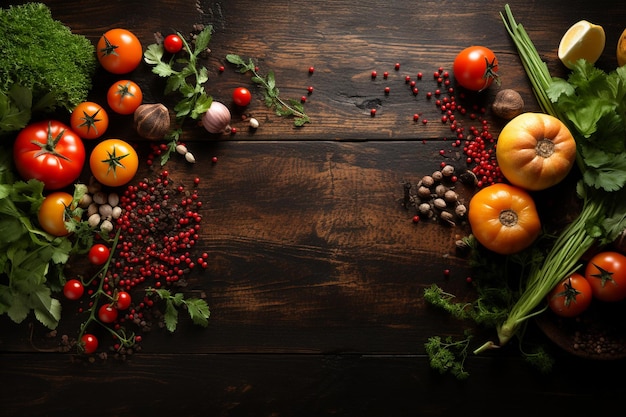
pixel 186 76
pixel 32 261
pixel 197 308
pixel 282 107
pixel 43 65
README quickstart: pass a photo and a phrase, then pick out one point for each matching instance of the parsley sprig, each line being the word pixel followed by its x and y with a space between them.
pixel 282 107
pixel 197 308
pixel 185 76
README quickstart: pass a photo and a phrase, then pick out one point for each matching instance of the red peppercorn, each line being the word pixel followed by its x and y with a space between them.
pixel 303 99
pixel 310 90
pixel 397 66
pixel 385 75
pixel 374 74
pixel 373 112
pixel 311 70
pixel 387 90
pixel 416 219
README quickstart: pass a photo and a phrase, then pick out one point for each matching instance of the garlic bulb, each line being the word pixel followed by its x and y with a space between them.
pixel 217 118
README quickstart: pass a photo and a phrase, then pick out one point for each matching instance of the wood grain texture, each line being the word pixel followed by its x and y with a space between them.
pixel 316 270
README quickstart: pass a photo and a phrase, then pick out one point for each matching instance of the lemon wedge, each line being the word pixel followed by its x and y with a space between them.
pixel 583 40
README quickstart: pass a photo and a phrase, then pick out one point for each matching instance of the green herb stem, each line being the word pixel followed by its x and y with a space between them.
pixel 562 260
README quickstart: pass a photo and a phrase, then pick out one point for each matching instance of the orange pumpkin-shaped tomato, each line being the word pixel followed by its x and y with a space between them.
pixel 535 151
pixel 504 218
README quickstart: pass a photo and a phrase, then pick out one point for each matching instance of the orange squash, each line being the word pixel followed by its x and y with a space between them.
pixel 504 218
pixel 535 151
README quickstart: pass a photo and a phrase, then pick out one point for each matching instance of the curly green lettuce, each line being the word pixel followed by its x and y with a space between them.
pixel 43 65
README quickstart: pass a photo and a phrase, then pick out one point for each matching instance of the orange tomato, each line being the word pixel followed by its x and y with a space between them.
pixel 124 97
pixel 89 120
pixel 113 162
pixel 119 51
pixel 504 218
pixel 535 151
pixel 53 213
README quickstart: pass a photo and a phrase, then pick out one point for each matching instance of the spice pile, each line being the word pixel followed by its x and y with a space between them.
pixel 157 226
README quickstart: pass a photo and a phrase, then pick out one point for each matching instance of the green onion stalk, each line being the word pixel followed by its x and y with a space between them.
pixel 563 258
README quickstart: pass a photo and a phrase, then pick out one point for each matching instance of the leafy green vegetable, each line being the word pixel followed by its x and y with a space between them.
pixel 282 108
pixel 185 76
pixel 30 259
pixel 43 65
pixel 197 308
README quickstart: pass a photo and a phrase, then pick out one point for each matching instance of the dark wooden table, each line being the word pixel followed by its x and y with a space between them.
pixel 316 270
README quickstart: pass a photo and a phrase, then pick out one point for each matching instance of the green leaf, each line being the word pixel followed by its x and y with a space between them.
pixel 202 39
pixel 198 311
pixel 235 59
pixel 170 316
pixel 153 54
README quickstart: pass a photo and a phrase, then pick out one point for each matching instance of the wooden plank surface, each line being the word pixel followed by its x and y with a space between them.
pixel 316 271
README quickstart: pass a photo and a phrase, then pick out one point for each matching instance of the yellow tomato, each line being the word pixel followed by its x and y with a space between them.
pixel 113 162
pixel 504 218
pixel 53 213
pixel 535 151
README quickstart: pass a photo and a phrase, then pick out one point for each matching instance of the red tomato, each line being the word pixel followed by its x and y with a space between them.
pixel 606 272
pixel 107 313
pixel 571 296
pixel 98 254
pixel 89 120
pixel 122 300
pixel 124 97
pixel 119 51
pixel 73 289
pixel 89 343
pixel 242 96
pixel 173 43
pixel 50 152
pixel 53 213
pixel 475 68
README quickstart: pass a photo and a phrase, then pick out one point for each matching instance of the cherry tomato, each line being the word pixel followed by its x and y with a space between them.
pixel 89 343
pixel 73 289
pixel 124 97
pixel 173 43
pixel 49 151
pixel 113 162
pixel 89 120
pixel 475 68
pixel 571 296
pixel 54 212
pixel 107 313
pixel 98 254
pixel 122 300
pixel 606 272
pixel 119 51
pixel 242 96
pixel 504 218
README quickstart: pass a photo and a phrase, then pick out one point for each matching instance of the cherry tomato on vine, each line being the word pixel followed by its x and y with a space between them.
pixel 73 289
pixel 124 97
pixel 173 43
pixel 89 120
pixel 89 343
pixel 113 162
pixel 54 212
pixel 242 96
pixel 119 51
pixel 107 313
pixel 571 296
pixel 122 300
pixel 50 152
pixel 606 272
pixel 475 68
pixel 98 254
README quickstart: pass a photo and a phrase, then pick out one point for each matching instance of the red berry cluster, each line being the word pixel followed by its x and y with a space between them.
pixel 159 227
